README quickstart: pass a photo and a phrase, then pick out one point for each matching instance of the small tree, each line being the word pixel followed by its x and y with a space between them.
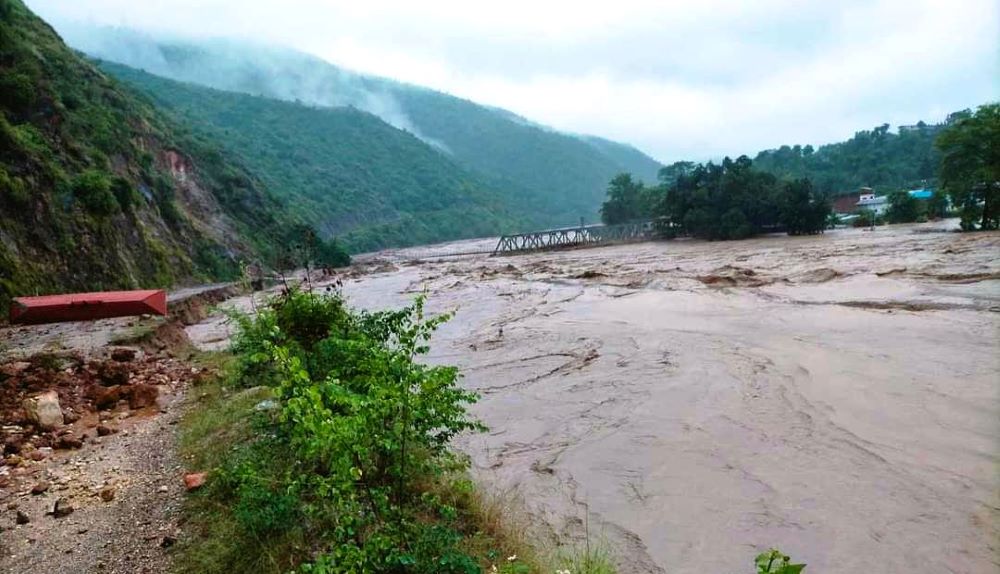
pixel 802 211
pixel 903 207
pixel 970 166
pixel 627 201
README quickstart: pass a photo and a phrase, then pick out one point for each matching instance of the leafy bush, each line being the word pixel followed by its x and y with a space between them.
pixel 903 208
pixel 867 218
pixel 13 189
pixel 360 426
pixel 124 193
pixel 93 189
pixel 774 562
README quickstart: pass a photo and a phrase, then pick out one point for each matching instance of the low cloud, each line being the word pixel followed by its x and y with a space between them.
pixel 685 79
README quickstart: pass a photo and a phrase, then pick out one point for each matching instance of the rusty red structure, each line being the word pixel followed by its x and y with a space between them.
pixel 87 306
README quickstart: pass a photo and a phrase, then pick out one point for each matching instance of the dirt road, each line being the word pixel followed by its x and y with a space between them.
pixel 112 468
pixel 835 396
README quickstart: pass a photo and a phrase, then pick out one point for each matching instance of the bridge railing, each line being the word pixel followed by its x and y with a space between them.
pixel 575 236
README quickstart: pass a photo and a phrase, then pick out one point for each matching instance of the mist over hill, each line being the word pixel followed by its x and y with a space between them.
pixel 565 175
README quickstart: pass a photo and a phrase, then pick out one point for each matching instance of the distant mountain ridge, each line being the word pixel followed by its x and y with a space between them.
pixel 561 177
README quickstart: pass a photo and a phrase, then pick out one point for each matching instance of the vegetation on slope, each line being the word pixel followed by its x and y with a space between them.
pixel 343 170
pixel 562 176
pixel 549 177
pixel 97 191
pixel 876 158
pixel 335 456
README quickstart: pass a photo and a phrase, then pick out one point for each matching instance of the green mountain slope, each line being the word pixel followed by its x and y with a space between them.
pixel 875 158
pixel 345 171
pixel 98 191
pixel 552 176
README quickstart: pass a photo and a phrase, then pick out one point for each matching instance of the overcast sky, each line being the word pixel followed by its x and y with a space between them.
pixel 678 79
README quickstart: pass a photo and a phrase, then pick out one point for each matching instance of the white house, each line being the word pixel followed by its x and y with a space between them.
pixel 870 201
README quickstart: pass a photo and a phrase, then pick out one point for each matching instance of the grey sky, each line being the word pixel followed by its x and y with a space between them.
pixel 680 80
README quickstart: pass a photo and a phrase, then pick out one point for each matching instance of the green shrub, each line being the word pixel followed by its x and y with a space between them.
pixel 13 189
pixel 360 426
pixel 92 189
pixel 774 562
pixel 124 193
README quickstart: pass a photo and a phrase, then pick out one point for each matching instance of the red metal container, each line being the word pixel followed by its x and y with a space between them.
pixel 88 306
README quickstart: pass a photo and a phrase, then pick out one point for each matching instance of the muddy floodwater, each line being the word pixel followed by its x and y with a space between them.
pixel 691 403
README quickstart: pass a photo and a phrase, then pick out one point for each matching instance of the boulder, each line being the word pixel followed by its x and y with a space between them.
pixel 142 395
pixel 44 410
pixel 106 398
pixel 112 373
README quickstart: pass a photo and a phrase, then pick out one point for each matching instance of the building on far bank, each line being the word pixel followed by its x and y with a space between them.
pixel 846 204
pixel 877 203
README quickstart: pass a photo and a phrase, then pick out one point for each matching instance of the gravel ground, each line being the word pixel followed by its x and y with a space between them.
pixel 129 533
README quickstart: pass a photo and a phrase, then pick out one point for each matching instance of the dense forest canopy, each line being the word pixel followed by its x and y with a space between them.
pixel 341 169
pixel 730 200
pixel 876 158
pixel 741 198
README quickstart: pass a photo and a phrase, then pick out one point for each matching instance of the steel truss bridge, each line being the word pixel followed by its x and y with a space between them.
pixel 588 235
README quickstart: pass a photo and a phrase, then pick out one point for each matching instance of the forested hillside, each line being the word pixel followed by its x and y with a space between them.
pixel 876 158
pixel 98 191
pixel 345 171
pixel 553 176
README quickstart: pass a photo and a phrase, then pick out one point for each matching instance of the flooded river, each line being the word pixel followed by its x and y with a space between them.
pixel 691 403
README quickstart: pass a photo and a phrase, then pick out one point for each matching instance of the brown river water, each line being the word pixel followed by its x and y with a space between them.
pixel 691 403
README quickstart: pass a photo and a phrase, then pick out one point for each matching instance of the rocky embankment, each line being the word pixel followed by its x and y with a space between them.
pixel 89 478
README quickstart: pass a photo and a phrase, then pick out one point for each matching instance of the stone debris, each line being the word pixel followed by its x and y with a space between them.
pixel 194 480
pixel 62 508
pixel 43 410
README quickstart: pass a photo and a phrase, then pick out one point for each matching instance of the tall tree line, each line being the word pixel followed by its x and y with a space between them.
pixel 729 200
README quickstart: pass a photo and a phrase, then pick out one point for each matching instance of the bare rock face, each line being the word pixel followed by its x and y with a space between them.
pixel 44 410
